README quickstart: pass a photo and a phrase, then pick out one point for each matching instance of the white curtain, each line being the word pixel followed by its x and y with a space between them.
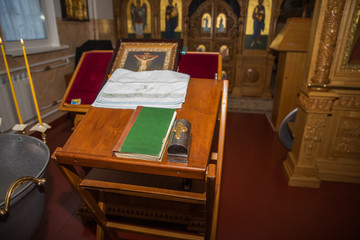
pixel 22 19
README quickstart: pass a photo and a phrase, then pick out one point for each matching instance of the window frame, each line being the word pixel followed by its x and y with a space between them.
pixel 51 43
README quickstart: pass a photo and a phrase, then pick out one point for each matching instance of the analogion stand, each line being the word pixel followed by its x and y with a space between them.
pixel 90 146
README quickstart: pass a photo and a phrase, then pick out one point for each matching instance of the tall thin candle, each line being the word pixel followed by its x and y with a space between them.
pixel 11 84
pixel 31 83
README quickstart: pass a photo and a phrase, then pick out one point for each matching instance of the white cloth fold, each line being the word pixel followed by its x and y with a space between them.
pixel 158 88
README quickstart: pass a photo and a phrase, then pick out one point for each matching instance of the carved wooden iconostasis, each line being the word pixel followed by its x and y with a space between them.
pixel 241 30
pixel 256 62
pixel 213 27
pixel 326 145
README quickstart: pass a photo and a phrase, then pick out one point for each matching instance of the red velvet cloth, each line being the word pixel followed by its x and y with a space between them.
pixel 91 74
pixel 199 65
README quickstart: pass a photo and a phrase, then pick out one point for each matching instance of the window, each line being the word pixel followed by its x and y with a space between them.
pixel 32 20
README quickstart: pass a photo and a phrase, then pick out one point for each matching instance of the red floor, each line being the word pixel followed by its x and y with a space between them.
pixel 256 203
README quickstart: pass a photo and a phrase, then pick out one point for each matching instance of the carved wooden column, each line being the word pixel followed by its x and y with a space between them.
pixel 236 91
pixel 276 14
pixel 315 106
pixel 120 20
pixel 241 38
pixel 155 18
pixel 117 13
pixel 185 31
pixel 300 165
pixel 185 27
pixel 327 43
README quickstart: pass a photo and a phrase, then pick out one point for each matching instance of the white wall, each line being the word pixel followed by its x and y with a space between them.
pixel 57 7
pixel 104 9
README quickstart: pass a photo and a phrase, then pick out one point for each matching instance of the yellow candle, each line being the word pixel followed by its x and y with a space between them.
pixel 31 83
pixel 10 81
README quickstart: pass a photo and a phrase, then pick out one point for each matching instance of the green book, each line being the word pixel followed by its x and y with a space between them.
pixel 146 134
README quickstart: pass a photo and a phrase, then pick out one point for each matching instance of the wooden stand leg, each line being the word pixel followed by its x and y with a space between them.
pixel 75 180
pixel 219 158
pixel 77 119
pixel 210 197
pixel 101 204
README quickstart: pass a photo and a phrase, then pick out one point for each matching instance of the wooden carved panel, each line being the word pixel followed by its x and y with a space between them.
pixel 254 74
pixel 228 55
pixel 313 132
pixel 231 26
pixel 193 46
pixel 347 102
pixel 315 104
pixel 347 141
pixel 196 22
pixel 215 9
pixel 218 36
pixel 228 73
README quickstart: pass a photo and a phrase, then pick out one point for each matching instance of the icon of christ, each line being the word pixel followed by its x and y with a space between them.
pixel 144 59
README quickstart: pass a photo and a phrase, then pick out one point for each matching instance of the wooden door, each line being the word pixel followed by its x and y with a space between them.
pixel 213 28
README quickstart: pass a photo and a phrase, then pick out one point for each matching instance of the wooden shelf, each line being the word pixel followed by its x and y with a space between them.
pixel 145 185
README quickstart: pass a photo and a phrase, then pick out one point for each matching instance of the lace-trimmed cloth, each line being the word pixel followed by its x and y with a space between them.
pixel 126 89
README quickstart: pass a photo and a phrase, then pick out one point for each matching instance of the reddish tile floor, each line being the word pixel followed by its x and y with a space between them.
pixel 256 203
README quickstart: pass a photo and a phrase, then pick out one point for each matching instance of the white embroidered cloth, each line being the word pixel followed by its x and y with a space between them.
pixel 126 89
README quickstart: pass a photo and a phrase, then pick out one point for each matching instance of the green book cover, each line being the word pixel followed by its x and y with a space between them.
pixel 148 134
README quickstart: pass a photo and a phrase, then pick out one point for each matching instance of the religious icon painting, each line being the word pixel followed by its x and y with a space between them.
pixel 224 51
pixel 201 48
pixel 74 10
pixel 352 51
pixel 170 18
pixel 138 61
pixel 139 19
pixel 206 22
pixel 221 23
pixel 258 24
pixel 146 55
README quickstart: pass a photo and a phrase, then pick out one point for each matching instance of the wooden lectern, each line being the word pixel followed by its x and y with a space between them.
pixel 119 192
pixel 292 43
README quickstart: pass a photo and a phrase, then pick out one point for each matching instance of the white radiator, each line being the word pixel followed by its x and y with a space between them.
pixel 24 98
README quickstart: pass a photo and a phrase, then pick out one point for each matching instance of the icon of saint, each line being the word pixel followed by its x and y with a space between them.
pixel 221 25
pixel 138 18
pixel 206 24
pixel 259 22
pixel 224 51
pixel 171 19
pixel 76 9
